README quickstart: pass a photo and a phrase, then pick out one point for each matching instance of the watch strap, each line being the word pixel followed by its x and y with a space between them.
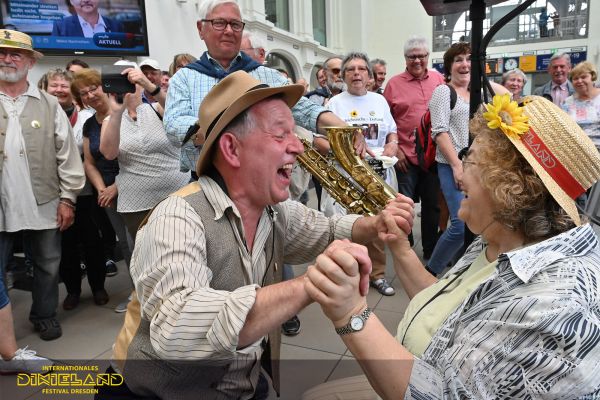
pixel 155 91
pixel 346 329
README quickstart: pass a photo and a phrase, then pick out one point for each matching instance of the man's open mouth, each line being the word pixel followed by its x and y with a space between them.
pixel 286 171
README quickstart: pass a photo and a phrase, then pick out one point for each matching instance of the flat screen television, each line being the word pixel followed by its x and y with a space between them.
pixel 82 27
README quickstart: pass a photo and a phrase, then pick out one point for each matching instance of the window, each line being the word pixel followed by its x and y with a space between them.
pixel 280 62
pixel 544 20
pixel 278 12
pixel 319 22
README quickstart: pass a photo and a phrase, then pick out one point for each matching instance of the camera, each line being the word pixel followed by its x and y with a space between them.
pixel 114 82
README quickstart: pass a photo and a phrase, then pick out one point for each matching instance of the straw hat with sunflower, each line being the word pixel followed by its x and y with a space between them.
pixel 559 151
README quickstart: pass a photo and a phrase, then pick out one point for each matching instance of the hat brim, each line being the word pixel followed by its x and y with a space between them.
pixel 574 149
pixel 290 95
pixel 561 197
pixel 36 54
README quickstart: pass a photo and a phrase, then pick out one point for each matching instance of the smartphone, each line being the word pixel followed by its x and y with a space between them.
pixel 114 82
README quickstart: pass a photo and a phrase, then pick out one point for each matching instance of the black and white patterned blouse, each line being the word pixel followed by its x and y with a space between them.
pixel 532 330
pixel 455 121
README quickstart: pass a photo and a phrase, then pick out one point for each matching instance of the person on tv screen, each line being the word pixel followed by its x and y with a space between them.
pixel 86 21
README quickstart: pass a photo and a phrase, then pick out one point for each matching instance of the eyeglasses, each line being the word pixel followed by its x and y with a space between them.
pixel 413 57
pixel 335 71
pixel 220 24
pixel 463 156
pixel 13 55
pixel 84 93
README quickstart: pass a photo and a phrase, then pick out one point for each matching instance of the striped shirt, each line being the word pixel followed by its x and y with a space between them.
pixel 187 89
pixel 188 319
pixel 531 330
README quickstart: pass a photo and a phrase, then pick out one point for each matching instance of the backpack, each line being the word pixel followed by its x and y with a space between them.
pixel 424 146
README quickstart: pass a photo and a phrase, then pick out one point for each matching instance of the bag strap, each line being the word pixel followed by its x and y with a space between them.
pixel 453 97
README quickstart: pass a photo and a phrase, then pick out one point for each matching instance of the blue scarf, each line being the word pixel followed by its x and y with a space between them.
pixel 204 66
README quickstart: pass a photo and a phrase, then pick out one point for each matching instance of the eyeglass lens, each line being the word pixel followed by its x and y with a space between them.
pixel 221 24
pixel 413 57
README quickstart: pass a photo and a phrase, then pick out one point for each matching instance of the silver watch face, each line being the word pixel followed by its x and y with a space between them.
pixel 357 323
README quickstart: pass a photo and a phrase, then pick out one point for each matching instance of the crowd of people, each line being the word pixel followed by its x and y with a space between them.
pixel 194 176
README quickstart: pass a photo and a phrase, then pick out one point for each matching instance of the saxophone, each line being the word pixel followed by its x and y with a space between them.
pixel 366 193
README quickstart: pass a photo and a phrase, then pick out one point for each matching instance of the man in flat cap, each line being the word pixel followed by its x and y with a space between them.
pixel 41 175
pixel 207 263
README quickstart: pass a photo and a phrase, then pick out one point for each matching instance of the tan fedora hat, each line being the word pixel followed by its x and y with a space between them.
pixel 17 40
pixel 228 99
pixel 559 151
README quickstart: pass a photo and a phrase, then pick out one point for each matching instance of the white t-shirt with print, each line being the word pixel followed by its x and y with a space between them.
pixel 370 111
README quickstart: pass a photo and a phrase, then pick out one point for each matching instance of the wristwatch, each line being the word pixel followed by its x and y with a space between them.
pixel 155 91
pixel 356 323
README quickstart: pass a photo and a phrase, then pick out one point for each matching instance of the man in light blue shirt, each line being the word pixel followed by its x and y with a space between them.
pixel 221 29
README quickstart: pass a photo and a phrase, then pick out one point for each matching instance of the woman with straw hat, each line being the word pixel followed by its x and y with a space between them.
pixel 518 315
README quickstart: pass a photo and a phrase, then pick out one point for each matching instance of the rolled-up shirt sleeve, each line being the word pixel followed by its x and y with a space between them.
pixel 71 177
pixel 188 319
pixel 309 231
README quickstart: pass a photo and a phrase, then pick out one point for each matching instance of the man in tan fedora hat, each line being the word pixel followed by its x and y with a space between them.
pixel 41 175
pixel 207 264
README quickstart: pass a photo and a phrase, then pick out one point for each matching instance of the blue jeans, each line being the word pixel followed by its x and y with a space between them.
pixel 451 242
pixel 423 186
pixel 45 248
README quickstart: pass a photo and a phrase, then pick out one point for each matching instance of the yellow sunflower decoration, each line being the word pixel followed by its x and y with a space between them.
pixel 354 113
pixel 506 115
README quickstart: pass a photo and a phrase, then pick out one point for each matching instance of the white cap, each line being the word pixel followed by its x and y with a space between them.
pixel 150 63
pixel 127 62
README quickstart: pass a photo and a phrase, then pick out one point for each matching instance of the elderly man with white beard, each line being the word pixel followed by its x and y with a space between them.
pixel 41 176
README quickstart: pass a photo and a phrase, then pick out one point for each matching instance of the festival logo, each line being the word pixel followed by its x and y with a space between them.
pixel 69 380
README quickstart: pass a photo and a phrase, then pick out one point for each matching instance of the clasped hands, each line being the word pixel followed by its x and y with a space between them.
pixel 107 195
pixel 339 279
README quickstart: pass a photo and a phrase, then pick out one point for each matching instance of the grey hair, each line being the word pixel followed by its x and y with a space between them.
pixel 515 71
pixel 207 6
pixel 242 124
pixel 556 56
pixel 329 59
pixel 353 56
pixel 53 74
pixel 416 42
pixel 255 40
pixel 377 61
